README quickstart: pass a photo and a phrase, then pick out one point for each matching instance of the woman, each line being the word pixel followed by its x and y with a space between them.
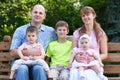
pixel 98 38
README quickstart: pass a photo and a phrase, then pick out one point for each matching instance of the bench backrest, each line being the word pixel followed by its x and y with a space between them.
pixel 112 63
pixel 5 57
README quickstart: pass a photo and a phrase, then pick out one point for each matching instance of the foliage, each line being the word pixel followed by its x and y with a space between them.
pixel 113 20
pixel 15 13
pixel 62 10
pixel 12 16
pixel 100 7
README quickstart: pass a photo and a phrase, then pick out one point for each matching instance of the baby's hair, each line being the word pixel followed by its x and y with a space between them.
pixel 85 36
pixel 32 29
pixel 61 23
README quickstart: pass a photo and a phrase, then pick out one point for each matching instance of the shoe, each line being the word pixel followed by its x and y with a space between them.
pixel 10 79
pixel 50 78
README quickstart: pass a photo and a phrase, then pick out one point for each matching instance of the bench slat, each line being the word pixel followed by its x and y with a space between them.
pixel 5 67
pixel 112 69
pixel 5 45
pixel 113 46
pixel 114 78
pixel 5 56
pixel 113 57
pixel 4 77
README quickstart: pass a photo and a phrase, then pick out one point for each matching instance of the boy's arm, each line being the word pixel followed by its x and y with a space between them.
pixel 47 59
pixel 71 58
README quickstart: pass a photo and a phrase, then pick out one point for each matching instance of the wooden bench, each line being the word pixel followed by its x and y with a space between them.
pixel 5 60
pixel 111 68
pixel 112 63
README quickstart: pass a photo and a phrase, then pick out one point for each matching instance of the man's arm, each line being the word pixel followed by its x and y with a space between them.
pixel 14 53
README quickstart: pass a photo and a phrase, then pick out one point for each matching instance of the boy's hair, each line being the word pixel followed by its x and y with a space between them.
pixel 61 23
pixel 32 29
pixel 85 36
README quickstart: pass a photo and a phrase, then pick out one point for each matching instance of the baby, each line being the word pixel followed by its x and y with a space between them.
pixel 85 53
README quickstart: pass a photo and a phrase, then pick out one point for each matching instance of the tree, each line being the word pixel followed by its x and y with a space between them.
pixel 62 10
pixel 15 13
pixel 113 20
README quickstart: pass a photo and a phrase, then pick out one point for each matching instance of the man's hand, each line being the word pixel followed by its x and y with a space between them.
pixel 25 52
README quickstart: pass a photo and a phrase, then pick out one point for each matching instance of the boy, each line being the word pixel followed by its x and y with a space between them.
pixel 59 52
pixel 36 53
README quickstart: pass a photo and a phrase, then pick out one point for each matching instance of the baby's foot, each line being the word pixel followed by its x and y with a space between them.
pixel 102 77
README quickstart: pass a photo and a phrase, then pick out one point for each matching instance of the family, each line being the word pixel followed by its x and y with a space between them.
pixel 43 53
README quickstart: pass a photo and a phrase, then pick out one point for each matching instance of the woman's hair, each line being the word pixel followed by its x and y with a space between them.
pixel 61 24
pixel 32 29
pixel 96 26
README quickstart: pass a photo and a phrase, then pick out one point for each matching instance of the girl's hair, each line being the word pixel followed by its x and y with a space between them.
pixel 61 24
pixel 32 29
pixel 96 26
pixel 85 36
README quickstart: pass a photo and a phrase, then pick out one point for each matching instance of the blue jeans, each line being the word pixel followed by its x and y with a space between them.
pixel 36 73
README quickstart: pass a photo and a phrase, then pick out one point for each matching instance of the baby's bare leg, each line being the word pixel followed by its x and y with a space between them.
pixel 12 74
pixel 95 66
pixel 81 68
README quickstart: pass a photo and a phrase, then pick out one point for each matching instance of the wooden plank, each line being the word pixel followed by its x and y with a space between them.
pixel 113 46
pixel 5 45
pixel 114 78
pixel 4 77
pixel 5 67
pixel 112 69
pixel 5 56
pixel 113 57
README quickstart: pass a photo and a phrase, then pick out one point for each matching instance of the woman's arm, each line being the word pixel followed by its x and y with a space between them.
pixel 103 48
pixel 74 42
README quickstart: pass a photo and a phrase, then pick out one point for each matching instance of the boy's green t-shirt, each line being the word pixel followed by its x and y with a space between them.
pixel 59 53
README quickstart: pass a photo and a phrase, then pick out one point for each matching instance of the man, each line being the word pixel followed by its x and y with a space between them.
pixel 46 34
